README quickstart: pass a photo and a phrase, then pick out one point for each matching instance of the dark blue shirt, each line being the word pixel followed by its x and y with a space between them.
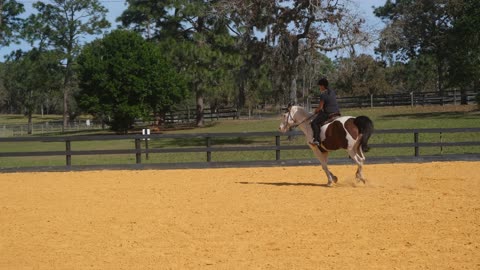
pixel 329 98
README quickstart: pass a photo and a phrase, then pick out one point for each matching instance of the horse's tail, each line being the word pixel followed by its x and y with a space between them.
pixel 365 127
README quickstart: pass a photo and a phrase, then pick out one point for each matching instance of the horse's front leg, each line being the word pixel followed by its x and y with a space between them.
pixel 323 158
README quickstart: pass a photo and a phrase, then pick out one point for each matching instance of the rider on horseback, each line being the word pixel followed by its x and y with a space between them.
pixel 327 108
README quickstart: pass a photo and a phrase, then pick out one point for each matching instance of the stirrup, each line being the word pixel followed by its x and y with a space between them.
pixel 314 142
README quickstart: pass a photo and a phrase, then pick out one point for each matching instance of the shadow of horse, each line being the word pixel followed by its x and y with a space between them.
pixel 281 184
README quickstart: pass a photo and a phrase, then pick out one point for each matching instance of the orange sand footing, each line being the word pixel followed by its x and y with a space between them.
pixel 408 216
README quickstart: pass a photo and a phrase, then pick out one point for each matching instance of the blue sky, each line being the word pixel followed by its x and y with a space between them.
pixel 116 7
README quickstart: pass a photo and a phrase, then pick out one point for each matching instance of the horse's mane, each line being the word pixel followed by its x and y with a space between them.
pixel 302 111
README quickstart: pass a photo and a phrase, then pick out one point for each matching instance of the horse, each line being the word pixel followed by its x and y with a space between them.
pixel 346 132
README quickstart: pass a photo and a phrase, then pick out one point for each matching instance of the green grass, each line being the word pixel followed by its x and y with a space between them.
pixel 384 118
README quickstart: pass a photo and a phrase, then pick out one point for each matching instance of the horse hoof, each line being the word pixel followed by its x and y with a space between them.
pixel 335 179
pixel 361 179
pixel 329 184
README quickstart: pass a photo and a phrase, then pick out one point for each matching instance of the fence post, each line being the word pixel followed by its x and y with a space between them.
pixel 411 98
pixel 277 144
pixel 209 154
pixel 68 148
pixel 441 144
pixel 146 134
pixel 138 151
pixel 146 148
pixel 415 140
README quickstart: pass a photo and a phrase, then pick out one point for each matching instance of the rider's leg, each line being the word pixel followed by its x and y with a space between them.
pixel 316 131
pixel 316 124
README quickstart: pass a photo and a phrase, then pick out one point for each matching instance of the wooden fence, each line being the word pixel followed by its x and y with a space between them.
pixel 390 100
pixel 187 116
pixel 209 148
pixel 405 99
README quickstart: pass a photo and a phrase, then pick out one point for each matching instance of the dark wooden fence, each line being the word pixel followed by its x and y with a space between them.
pixel 209 148
pixel 187 116
pixel 405 99
pixel 176 117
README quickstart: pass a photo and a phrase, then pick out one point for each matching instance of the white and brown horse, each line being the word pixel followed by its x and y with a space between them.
pixel 346 132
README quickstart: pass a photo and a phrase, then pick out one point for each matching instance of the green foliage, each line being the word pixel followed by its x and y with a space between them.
pixel 145 16
pixel 420 74
pixel 123 77
pixel 10 23
pixel 196 39
pixel 3 91
pixel 31 78
pixel 440 41
pixel 464 44
pixel 420 26
pixel 59 25
pixel 361 75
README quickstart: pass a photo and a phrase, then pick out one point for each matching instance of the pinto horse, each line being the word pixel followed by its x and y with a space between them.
pixel 347 132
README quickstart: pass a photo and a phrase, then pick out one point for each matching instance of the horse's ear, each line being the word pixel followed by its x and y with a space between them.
pixel 289 106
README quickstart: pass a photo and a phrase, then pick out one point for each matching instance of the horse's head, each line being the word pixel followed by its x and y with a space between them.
pixel 287 119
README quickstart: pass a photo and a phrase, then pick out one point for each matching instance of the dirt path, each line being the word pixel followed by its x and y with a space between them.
pixel 409 216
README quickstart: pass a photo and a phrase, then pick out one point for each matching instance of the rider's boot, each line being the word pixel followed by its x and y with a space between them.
pixel 316 134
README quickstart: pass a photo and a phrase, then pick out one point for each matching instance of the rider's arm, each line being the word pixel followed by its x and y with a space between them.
pixel 320 106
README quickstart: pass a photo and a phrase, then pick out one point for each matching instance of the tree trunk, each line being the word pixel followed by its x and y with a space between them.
pixel 1 12
pixel 66 87
pixel 294 47
pixel 200 106
pixel 463 95
pixel 65 109
pixel 241 89
pixel 30 124
pixel 293 88
pixel 440 77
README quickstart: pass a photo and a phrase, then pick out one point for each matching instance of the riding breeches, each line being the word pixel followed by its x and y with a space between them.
pixel 316 123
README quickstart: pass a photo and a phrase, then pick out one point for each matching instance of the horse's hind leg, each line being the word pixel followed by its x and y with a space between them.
pixel 359 159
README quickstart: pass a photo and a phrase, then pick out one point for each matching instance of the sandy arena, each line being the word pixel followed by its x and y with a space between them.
pixel 408 216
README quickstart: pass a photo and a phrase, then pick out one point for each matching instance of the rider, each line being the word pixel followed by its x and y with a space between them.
pixel 326 109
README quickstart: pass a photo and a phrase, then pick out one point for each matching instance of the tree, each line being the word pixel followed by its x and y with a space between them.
pixel 123 78
pixel 29 77
pixel 59 25
pixel 296 28
pixel 252 80
pixel 9 21
pixel 195 37
pixel 312 65
pixel 464 47
pixel 444 33
pixel 360 75
pixel 3 91
pixel 417 28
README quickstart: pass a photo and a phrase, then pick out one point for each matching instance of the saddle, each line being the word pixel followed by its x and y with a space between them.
pixel 331 118
pixel 317 127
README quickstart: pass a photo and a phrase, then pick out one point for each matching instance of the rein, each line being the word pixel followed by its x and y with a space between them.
pixel 303 121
